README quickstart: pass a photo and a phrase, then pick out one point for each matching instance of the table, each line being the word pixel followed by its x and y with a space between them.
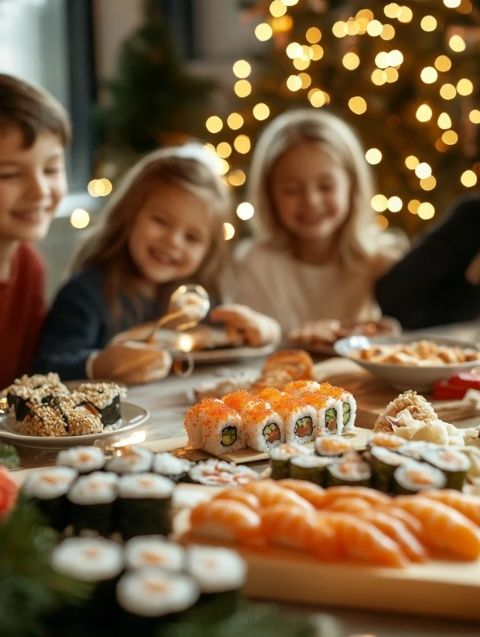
pixel 167 401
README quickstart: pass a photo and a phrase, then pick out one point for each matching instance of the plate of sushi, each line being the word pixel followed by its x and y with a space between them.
pixel 410 362
pixel 41 411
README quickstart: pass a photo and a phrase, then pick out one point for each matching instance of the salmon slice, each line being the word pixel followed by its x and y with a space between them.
pixel 348 504
pixel 312 493
pixel 374 497
pixel 270 493
pixel 465 503
pixel 226 520
pixel 239 495
pixel 397 531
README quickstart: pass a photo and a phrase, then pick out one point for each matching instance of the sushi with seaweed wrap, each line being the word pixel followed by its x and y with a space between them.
pixel 105 397
pixel 144 504
pixel 130 459
pixel 413 476
pixel 384 462
pixel 48 489
pixel 281 456
pixel 80 419
pixel 173 468
pixel 350 469
pixel 219 473
pixel 385 439
pixel 332 446
pixel 311 468
pixel 82 458
pixel 33 390
pixel 452 463
pixel 91 502
pixel 220 574
pixel 154 551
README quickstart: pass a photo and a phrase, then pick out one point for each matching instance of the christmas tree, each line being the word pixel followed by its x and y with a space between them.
pixel 403 75
pixel 153 101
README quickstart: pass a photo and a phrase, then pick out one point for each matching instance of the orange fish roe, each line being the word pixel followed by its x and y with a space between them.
pixel 318 400
pixel 270 394
pixel 331 390
pixel 302 386
pixel 238 399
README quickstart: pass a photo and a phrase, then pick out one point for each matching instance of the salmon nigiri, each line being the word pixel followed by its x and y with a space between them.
pixel 465 503
pixel 412 523
pixel 360 540
pixel 270 493
pixel 396 530
pixel 376 498
pixel 445 528
pixel 311 492
pixel 227 520
pixel 239 495
pixel 348 504
pixel 294 528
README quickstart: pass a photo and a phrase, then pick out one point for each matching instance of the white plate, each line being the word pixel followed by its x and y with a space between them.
pixel 132 416
pixel 405 377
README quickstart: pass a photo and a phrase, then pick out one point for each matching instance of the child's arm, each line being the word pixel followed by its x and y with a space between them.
pixel 246 325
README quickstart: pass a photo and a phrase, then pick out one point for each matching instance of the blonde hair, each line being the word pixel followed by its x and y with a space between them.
pixel 188 167
pixel 360 234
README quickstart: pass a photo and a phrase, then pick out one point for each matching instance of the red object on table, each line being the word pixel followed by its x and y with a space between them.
pixel 456 386
pixel 469 380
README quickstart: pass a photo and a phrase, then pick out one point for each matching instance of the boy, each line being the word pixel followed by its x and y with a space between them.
pixel 34 131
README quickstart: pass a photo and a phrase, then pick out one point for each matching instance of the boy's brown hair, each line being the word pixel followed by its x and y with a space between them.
pixel 32 109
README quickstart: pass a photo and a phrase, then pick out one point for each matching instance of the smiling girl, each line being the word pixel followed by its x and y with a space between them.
pixel 34 130
pixel 162 228
pixel 317 249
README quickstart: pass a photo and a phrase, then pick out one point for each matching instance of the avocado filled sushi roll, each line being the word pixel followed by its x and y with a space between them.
pixel 130 460
pixel 220 574
pixel 154 551
pixel 171 467
pixel 82 459
pixel 348 405
pixel 280 458
pixel 452 463
pixel 383 462
pixel 413 476
pixel 91 502
pixel 311 468
pixel 48 489
pixel 144 505
pixel 350 469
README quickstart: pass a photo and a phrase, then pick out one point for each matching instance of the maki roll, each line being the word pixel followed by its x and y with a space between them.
pixel 91 502
pixel 154 551
pixel 221 574
pixel 301 387
pixel 263 426
pixel 280 458
pixel 43 420
pixel 332 446
pixel 299 418
pixel 452 463
pixel 386 440
pixel 218 473
pixel 413 476
pixel 239 399
pixel 414 449
pixel 350 469
pixel 195 417
pixel 328 413
pixel 221 429
pixel 48 489
pixel 105 397
pixel 144 505
pixel 82 459
pixel 383 462
pixel 33 390
pixel 130 460
pixel 80 419
pixel 310 468
pixel 348 405
pixel 168 465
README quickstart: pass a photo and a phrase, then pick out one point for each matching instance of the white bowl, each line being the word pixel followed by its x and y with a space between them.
pixel 405 377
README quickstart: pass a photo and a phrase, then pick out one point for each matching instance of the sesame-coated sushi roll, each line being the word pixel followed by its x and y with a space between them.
pixel 144 505
pixel 91 502
pixel 221 574
pixel 83 459
pixel 33 390
pixel 48 488
pixel 132 459
pixel 299 418
pixel 105 397
pixel 154 551
pixel 328 412
pixel 195 418
pixel 173 468
pixel 348 405
pixel 222 429
pixel 280 458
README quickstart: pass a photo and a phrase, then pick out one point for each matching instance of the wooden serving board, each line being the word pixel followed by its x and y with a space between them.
pixel 448 589
pixel 373 394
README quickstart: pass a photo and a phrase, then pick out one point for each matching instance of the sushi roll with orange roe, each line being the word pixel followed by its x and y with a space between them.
pixel 301 387
pixel 263 426
pixel 328 412
pixel 299 418
pixel 348 406
pixel 222 429
pixel 194 419
pixel 240 399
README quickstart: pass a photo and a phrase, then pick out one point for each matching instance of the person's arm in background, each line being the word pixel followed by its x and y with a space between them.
pixel 429 286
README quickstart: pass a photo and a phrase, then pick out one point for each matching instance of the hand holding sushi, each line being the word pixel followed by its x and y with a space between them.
pixel 132 363
pixel 245 326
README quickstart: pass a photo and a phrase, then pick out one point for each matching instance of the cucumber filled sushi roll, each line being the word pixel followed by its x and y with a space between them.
pixel 299 418
pixel 222 429
pixel 105 397
pixel 130 460
pixel 328 412
pixel 350 469
pixel 263 426
pixel 154 551
pixel 220 574
pixel 280 458
pixel 144 505
pixel 332 446
pixel 311 468
pixel 91 502
pixel 452 463
pixel 413 476
pixel 383 462
pixel 48 489
pixel 171 467
pixel 82 459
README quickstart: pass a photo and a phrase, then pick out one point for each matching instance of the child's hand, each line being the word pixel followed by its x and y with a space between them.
pixel 132 363
pixel 325 331
pixel 244 325
pixel 137 333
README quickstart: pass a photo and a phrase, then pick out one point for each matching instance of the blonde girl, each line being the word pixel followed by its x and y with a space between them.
pixel 316 249
pixel 162 228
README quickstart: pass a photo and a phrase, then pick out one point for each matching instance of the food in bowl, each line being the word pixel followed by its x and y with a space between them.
pixel 422 353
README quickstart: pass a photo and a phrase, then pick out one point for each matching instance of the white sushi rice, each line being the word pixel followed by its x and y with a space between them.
pixel 50 483
pixel 145 485
pixel 151 592
pixel 88 559
pixel 84 459
pixel 216 569
pixel 98 487
pixel 132 460
pixel 169 465
pixel 154 551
